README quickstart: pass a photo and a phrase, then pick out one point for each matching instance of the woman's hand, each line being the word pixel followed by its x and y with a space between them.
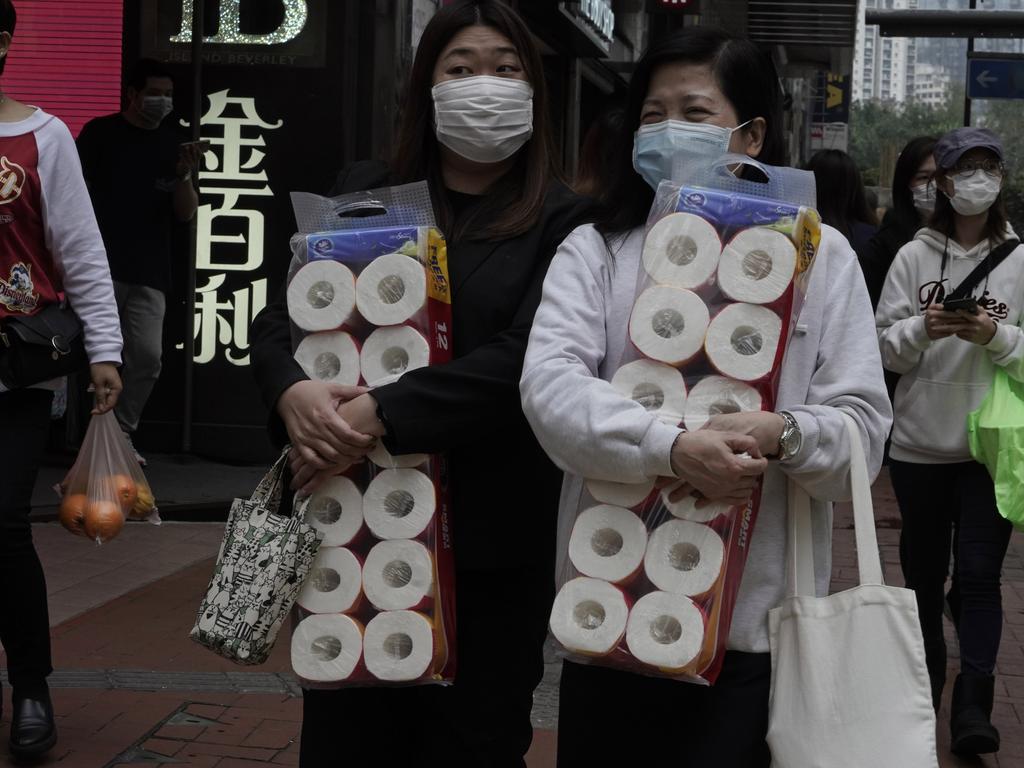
pixel 318 433
pixel 361 414
pixel 978 328
pixel 940 324
pixel 711 463
pixel 106 384
pixel 764 426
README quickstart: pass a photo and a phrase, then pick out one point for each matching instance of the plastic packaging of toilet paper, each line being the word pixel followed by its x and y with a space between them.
pixel 648 579
pixel 370 305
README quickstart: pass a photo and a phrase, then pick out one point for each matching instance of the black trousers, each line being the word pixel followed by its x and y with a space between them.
pixel 952 507
pixel 483 720
pixel 24 617
pixel 608 717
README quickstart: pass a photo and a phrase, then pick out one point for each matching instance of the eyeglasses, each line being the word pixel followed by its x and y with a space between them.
pixel 969 167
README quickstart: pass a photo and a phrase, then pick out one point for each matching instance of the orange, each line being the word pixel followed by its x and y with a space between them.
pixel 125 490
pixel 103 520
pixel 72 513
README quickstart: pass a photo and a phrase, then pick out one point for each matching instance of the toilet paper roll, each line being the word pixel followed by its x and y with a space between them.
pixel 607 543
pixel 398 646
pixel 321 296
pixel 684 557
pixel 665 630
pixel 589 616
pixel 391 289
pixel 657 387
pixel 742 341
pixel 757 266
pixel 682 250
pixel 619 494
pixel 668 324
pixel 380 456
pixel 399 504
pixel 336 509
pixel 331 356
pixel 327 648
pixel 334 582
pixel 398 575
pixel 687 509
pixel 714 395
pixel 389 352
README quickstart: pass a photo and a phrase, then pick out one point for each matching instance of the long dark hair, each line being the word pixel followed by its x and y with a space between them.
pixel 514 203
pixel 944 217
pixel 841 200
pixel 745 75
pixel 903 213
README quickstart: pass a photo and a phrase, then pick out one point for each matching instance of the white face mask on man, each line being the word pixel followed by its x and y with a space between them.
pixel 483 118
pixel 974 191
pixel 155 108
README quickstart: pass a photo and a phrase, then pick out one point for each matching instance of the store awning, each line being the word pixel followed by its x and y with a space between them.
pixel 802 22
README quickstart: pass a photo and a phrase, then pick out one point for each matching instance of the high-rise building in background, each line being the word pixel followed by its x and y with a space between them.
pixel 884 68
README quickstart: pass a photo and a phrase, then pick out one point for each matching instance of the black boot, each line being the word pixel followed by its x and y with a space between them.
pixel 972 731
pixel 33 731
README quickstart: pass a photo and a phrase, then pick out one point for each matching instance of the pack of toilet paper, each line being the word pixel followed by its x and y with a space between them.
pixel 646 583
pixel 368 297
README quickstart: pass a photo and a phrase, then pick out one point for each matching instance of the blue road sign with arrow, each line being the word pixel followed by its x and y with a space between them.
pixel 995 78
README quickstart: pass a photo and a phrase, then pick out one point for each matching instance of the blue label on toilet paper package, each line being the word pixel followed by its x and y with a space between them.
pixel 730 212
pixel 360 246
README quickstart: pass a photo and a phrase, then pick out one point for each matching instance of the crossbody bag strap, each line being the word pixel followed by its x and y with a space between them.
pixel 987 266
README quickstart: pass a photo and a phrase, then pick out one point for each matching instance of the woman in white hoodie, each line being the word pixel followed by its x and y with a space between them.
pixel 708 91
pixel 947 360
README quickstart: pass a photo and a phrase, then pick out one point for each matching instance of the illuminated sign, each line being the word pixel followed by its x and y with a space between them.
pixel 231 233
pixel 229 31
pixel 600 16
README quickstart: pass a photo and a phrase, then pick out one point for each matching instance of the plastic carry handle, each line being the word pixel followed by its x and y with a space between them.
pixel 725 164
pixel 800 551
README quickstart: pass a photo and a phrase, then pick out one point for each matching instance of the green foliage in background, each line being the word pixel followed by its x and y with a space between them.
pixel 877 127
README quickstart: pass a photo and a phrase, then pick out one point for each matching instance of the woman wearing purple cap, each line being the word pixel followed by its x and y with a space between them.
pixel 948 315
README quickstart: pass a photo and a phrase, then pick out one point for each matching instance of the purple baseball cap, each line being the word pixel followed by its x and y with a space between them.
pixel 954 144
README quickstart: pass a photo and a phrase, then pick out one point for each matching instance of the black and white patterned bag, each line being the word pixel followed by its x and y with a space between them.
pixel 264 559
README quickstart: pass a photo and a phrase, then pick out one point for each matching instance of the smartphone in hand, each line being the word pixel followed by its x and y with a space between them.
pixel 967 303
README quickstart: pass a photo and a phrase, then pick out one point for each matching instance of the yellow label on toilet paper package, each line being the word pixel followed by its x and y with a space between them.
pixel 437 267
pixel 805 231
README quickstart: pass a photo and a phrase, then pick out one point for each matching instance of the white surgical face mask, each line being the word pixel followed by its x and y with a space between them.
pixel 156 108
pixel 924 197
pixel 974 192
pixel 485 119
pixel 656 146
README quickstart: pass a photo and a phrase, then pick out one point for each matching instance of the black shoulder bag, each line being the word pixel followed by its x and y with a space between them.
pixel 40 347
pixel 994 259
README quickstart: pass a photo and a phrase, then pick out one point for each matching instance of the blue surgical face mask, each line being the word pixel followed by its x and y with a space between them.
pixel 656 146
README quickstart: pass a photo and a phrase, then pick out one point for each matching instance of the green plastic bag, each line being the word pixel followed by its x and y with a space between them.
pixel 995 433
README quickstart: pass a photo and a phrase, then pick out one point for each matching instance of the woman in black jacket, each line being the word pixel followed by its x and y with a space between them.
pixel 913 200
pixel 494 191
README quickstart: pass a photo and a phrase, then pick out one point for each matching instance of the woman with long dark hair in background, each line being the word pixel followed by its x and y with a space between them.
pixel 475 126
pixel 841 199
pixel 913 200
pixel 701 91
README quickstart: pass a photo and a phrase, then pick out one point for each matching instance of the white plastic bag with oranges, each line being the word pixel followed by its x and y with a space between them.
pixel 105 486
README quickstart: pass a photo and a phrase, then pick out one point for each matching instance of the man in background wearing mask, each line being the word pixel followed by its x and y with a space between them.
pixel 140 177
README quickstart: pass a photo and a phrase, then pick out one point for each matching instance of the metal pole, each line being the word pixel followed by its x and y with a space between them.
pixel 967 86
pixel 198 10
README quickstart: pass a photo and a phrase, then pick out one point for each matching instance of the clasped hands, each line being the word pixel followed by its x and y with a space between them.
pixel 722 461
pixel 331 427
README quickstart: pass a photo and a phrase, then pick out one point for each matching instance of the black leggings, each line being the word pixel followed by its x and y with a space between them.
pixel 482 721
pixel 608 717
pixel 24 617
pixel 953 507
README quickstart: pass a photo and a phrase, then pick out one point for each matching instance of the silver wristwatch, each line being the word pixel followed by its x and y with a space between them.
pixel 791 439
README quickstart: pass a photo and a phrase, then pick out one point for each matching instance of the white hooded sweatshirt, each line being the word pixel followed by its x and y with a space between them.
pixel 944 380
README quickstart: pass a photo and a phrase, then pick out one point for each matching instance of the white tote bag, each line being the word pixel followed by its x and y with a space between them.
pixel 849 686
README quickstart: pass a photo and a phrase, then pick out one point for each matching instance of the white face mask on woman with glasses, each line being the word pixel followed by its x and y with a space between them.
pixel 975 186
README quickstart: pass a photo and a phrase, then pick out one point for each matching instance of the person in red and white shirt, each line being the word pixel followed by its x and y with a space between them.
pixel 50 250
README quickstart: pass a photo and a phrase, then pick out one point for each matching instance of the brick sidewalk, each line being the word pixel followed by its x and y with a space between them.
pixel 131 690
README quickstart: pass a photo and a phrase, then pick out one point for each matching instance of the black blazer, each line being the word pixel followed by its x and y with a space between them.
pixel 504 489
